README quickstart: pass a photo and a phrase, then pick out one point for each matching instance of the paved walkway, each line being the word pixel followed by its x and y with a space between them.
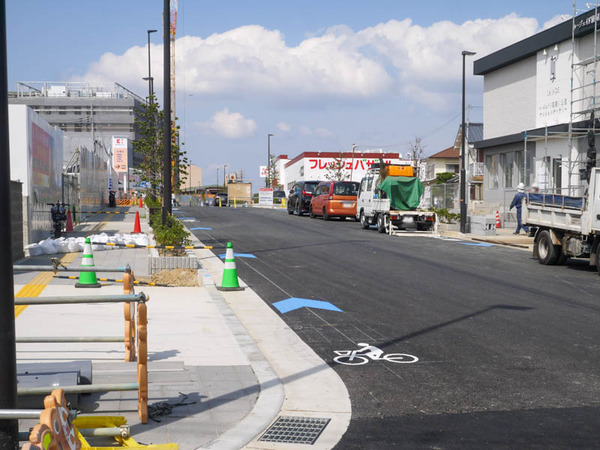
pixel 227 354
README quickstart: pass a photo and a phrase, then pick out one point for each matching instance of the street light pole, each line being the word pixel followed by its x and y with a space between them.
pixel 224 175
pixel 150 79
pixel 463 172
pixel 217 183
pixel 167 207
pixel 269 159
pixel 354 147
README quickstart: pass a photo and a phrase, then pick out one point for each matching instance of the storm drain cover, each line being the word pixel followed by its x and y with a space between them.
pixel 295 430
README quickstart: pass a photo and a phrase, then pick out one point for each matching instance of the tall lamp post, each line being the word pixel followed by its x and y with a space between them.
pixel 463 172
pixel 224 175
pixel 354 147
pixel 269 159
pixel 149 78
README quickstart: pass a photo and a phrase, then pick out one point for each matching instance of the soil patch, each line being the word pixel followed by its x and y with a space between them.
pixel 174 277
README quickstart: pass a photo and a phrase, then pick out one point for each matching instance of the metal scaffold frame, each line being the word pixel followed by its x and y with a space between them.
pixel 584 100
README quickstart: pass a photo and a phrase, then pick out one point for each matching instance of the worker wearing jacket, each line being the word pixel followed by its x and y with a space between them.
pixel 517 202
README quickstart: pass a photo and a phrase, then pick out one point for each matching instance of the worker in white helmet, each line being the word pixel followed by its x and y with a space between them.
pixel 517 203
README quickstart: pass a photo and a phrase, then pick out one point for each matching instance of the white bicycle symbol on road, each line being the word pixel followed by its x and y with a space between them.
pixel 369 352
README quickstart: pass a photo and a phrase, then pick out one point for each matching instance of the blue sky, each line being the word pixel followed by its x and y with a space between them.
pixel 320 75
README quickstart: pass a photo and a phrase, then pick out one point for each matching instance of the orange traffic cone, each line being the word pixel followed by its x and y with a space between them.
pixel 498 219
pixel 140 204
pixel 136 227
pixel 69 221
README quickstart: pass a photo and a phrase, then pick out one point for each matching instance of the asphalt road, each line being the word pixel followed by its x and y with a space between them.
pixel 508 350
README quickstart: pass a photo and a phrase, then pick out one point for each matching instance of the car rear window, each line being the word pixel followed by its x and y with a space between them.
pixel 345 188
pixel 310 187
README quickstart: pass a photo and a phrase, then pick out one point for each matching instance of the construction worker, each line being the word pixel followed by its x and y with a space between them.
pixel 517 202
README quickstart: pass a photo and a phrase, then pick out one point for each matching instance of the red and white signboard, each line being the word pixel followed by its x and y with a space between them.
pixel 120 154
pixel 265 196
pixel 263 171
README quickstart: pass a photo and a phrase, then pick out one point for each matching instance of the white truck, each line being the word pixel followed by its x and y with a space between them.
pixel 388 197
pixel 565 226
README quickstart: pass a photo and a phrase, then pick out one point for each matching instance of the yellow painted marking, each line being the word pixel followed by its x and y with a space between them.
pixel 208 247
pixel 110 243
pixel 189 246
pixel 35 287
pixel 169 247
pixel 130 245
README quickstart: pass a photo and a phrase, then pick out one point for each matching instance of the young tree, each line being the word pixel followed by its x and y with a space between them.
pixel 416 150
pixel 272 174
pixel 150 148
pixel 336 171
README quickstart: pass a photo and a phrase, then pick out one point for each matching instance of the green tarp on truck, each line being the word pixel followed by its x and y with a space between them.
pixel 404 192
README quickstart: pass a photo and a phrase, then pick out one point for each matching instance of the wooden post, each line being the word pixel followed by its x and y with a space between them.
pixel 142 366
pixel 129 315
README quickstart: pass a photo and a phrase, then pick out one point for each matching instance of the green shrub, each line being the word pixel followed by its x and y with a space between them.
pixel 152 202
pixel 172 233
pixel 446 216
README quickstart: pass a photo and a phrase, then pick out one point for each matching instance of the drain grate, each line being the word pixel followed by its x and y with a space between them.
pixel 295 430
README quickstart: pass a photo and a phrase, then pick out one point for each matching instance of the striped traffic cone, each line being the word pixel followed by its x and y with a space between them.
pixel 230 279
pixel 87 279
pixel 498 219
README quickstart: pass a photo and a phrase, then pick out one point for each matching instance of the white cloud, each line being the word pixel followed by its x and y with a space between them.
pixel 556 20
pixel 339 63
pixel 305 130
pixel 324 133
pixel 231 125
pixel 285 127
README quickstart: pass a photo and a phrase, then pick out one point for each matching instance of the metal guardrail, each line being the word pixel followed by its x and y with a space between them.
pixel 130 298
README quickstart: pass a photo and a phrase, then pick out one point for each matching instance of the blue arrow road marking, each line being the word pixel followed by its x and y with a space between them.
pixel 200 228
pixel 186 218
pixel 239 255
pixel 292 304
pixel 477 245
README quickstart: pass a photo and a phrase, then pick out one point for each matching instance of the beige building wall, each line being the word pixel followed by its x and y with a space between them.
pixel 194 177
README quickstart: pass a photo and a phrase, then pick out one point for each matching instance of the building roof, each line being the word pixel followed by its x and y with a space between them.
pixel 474 132
pixel 342 155
pixel 583 24
pixel 450 152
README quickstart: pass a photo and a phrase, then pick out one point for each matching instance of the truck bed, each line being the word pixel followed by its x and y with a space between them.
pixel 556 200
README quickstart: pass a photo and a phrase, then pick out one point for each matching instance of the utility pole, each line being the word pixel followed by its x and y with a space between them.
pixel 463 162
pixel 269 168
pixel 9 431
pixel 167 111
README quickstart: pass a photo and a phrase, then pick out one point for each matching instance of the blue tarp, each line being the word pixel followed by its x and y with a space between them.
pixel 556 200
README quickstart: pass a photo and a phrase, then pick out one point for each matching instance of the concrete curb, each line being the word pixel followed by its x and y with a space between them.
pixel 272 393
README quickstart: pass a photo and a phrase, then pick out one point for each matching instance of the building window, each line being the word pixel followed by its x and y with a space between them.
pixel 452 168
pixel 47 110
pixel 509 169
pixel 491 164
pixel 62 110
pixel 77 110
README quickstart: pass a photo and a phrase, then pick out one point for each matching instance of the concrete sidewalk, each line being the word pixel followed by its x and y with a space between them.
pixel 228 356
pixel 504 236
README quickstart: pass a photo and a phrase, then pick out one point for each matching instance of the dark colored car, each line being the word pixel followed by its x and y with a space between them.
pixel 300 196
pixel 278 196
pixel 214 201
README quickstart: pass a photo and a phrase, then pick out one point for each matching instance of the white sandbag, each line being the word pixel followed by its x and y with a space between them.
pixel 33 250
pixel 47 246
pixel 61 247
pixel 74 246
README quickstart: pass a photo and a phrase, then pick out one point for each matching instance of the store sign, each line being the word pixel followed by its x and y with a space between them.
pixel 265 196
pixel 263 171
pixel 553 86
pixel 119 146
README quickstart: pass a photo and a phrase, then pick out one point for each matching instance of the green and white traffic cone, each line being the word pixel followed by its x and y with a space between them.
pixel 87 279
pixel 230 279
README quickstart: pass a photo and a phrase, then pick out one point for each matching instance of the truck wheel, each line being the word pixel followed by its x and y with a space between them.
pixel 364 221
pixel 546 250
pixel 382 222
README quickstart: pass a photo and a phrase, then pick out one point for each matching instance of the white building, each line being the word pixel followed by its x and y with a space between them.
pixel 313 166
pixel 538 96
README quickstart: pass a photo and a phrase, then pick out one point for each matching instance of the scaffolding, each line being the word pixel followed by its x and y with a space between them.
pixel 584 103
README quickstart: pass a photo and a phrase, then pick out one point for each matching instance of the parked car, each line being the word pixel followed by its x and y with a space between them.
pixel 300 197
pixel 214 201
pixel 278 196
pixel 334 199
